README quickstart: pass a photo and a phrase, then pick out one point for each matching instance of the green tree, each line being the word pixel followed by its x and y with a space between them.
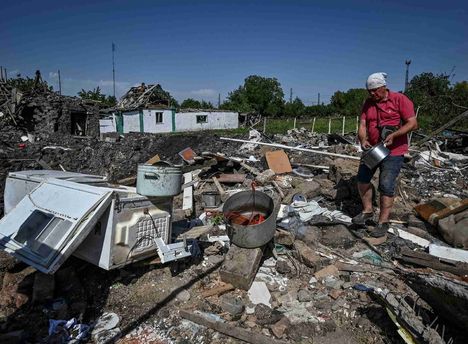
pixel 96 95
pixel 349 103
pixel 433 94
pixel 295 108
pixel 319 111
pixel 190 103
pixel 206 105
pixel 258 94
pixel 28 85
pixel 460 94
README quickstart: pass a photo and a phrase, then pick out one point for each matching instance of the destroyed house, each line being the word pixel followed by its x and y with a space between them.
pixel 44 111
pixel 147 109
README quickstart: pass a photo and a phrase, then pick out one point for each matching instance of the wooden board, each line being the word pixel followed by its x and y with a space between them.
pixel 278 161
pixel 231 178
pixel 438 209
pixel 153 160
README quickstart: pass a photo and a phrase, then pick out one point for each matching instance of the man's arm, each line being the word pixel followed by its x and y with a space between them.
pixel 362 134
pixel 410 124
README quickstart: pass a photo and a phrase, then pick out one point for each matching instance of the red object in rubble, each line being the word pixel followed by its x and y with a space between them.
pixel 21 145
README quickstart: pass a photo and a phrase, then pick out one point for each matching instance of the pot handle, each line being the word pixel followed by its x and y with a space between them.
pixel 151 176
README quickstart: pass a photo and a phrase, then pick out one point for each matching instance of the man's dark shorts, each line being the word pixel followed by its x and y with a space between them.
pixel 389 170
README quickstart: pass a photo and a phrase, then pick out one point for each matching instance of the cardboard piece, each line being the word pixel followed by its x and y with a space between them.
pixel 278 161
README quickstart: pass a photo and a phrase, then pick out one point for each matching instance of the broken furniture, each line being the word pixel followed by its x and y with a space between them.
pixel 51 215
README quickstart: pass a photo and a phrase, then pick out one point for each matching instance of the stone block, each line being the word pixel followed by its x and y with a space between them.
pixel 330 270
pixel 307 255
pixel 231 304
pixel 240 266
pixel 337 236
pixel 279 328
pixel 283 237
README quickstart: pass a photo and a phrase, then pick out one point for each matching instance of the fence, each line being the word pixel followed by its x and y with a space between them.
pixel 341 125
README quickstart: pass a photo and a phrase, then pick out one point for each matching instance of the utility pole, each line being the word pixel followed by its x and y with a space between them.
pixel 290 95
pixel 1 73
pixel 318 99
pixel 60 83
pixel 407 62
pixel 219 100
pixel 113 67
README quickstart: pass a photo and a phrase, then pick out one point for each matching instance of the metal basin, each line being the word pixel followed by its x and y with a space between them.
pixel 250 204
pixel 161 180
pixel 374 156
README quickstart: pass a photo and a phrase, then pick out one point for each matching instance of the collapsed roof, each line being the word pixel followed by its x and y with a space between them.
pixel 144 96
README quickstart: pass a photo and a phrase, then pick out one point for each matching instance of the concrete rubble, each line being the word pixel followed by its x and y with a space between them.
pixel 317 279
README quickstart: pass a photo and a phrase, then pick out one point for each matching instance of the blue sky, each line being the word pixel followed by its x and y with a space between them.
pixel 198 49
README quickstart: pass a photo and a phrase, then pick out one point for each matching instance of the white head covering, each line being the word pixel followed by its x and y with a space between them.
pixel 376 80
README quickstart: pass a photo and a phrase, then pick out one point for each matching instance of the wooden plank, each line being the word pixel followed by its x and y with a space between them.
pixel 409 236
pixel 278 161
pixel 195 232
pixel 427 260
pixel 231 178
pixel 230 330
pixel 219 187
pixel 218 290
pixel 187 203
pixel 129 181
pixel 153 160
pixel 449 253
pixel 445 126
pixel 277 187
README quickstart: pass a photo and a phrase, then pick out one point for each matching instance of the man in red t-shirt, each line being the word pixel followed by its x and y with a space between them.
pixel 386 116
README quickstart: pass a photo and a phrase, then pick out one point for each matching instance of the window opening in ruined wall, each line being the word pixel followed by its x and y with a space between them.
pixel 202 119
pixel 159 117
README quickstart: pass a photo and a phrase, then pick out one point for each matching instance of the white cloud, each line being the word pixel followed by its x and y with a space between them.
pixel 204 92
pixel 53 75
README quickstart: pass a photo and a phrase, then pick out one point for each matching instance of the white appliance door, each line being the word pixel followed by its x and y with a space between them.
pixel 49 223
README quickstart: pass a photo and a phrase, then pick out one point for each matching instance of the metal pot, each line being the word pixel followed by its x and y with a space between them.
pixel 374 156
pixel 255 235
pixel 162 180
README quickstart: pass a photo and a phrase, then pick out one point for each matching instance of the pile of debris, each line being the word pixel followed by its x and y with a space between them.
pixel 147 95
pixel 273 256
pixel 40 112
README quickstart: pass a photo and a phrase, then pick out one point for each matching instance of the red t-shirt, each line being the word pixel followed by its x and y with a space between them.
pixel 397 107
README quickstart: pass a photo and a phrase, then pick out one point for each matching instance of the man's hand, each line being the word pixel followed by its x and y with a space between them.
pixel 366 145
pixel 389 140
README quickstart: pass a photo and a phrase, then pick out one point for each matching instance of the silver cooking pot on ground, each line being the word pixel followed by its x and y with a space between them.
pixel 374 156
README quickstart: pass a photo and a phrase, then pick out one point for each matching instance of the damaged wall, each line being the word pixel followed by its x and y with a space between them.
pixel 42 111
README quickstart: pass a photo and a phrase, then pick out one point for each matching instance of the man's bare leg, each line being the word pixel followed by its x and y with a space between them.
pixel 365 191
pixel 386 204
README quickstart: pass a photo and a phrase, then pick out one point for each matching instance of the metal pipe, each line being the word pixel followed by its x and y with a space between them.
pixel 293 148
